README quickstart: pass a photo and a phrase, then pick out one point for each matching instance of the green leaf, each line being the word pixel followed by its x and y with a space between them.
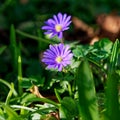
pixel 104 45
pixel 31 98
pixel 81 51
pixel 2 116
pixel 62 113
pixel 112 99
pixel 26 97
pixel 71 107
pixel 12 115
pixel 86 90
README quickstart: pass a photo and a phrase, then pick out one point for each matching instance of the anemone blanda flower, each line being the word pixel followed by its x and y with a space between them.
pixel 56 25
pixel 57 56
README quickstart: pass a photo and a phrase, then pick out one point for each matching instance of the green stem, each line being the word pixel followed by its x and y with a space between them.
pixel 19 75
pixel 22 107
pixel 9 94
pixel 69 89
pixel 34 37
pixel 57 95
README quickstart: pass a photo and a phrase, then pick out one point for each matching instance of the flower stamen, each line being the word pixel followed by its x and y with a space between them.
pixel 58 59
pixel 58 28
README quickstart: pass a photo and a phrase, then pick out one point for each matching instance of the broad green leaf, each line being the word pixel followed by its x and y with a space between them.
pixel 86 90
pixel 70 105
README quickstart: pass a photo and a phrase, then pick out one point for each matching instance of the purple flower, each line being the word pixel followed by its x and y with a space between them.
pixel 57 56
pixel 56 25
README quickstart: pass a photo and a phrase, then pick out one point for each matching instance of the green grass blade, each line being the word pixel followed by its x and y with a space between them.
pixel 57 95
pixel 114 56
pixel 9 94
pixel 22 107
pixel 112 100
pixel 12 115
pixel 19 72
pixel 44 100
pixel 13 47
pixel 9 86
pixel 86 89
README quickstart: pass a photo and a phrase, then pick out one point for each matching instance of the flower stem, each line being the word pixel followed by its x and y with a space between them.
pixel 19 75
pixel 34 37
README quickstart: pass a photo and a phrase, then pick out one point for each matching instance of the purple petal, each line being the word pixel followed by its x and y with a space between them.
pixel 51 66
pixel 64 17
pixel 48 60
pixel 48 51
pixel 56 20
pixel 60 48
pixel 60 35
pixel 58 51
pixel 48 32
pixel 49 55
pixel 51 22
pixel 67 24
pixel 68 57
pixel 54 49
pixel 66 48
pixel 65 63
pixel 47 28
pixel 52 35
pixel 66 28
pixel 60 17
pixel 67 20
pixel 60 67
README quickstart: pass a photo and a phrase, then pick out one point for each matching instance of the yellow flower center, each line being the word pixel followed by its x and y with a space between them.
pixel 58 28
pixel 58 59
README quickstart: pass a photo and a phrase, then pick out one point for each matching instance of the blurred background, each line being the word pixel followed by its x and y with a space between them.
pixel 30 14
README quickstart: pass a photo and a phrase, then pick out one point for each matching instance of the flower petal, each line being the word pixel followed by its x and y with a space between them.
pixel 55 18
pixel 60 35
pixel 60 18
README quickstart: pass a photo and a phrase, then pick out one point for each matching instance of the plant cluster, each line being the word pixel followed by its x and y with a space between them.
pixel 73 73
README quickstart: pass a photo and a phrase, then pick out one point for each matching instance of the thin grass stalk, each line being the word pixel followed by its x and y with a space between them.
pixel 34 37
pixel 13 47
pixel 9 94
pixel 9 86
pixel 19 74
